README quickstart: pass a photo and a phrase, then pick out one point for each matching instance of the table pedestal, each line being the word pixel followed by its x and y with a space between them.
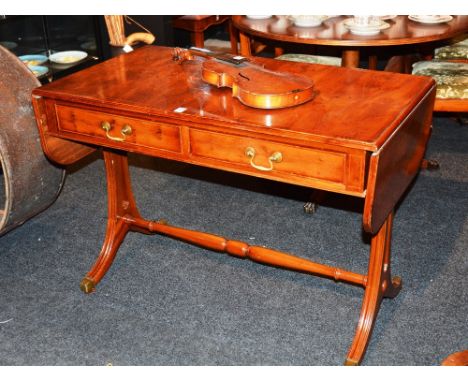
pixel 123 216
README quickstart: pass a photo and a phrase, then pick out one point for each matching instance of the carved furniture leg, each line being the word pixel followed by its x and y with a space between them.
pixel 120 203
pixel 379 284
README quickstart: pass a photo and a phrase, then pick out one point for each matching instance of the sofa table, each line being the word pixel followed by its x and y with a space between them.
pixel 364 134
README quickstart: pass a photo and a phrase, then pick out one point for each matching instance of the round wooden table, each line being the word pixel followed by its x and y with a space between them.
pixel 332 32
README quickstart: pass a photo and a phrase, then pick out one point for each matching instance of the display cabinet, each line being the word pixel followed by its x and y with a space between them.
pixel 46 35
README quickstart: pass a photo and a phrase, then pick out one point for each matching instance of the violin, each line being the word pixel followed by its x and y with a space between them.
pixel 251 83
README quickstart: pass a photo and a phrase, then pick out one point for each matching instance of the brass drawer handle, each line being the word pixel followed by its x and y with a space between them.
pixel 276 157
pixel 125 131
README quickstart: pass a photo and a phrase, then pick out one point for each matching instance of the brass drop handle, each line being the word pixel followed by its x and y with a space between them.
pixel 125 131
pixel 276 157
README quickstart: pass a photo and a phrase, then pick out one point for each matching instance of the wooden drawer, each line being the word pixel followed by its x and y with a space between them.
pixel 320 167
pixel 148 134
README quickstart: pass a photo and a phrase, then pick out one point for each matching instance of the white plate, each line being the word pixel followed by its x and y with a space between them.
pixel 362 32
pixel 307 21
pixel 259 17
pixel 365 30
pixel 427 20
pixel 68 57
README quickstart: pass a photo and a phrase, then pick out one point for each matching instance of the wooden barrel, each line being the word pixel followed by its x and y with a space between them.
pixel 31 183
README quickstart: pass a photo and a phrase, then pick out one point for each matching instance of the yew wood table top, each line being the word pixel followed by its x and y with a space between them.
pixel 364 134
pixel 332 32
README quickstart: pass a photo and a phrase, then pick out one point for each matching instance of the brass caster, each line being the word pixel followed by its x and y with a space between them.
pixel 87 285
pixel 351 362
pixel 310 208
pixel 430 164
pixel 396 285
pixel 392 290
pixel 396 281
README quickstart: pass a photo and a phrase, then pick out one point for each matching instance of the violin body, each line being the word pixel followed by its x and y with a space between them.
pixel 252 84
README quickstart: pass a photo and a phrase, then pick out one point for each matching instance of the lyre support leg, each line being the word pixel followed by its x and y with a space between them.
pixel 379 284
pixel 120 203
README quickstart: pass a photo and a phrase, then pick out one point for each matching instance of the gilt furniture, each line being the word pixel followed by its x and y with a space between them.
pixel 402 32
pixel 364 134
